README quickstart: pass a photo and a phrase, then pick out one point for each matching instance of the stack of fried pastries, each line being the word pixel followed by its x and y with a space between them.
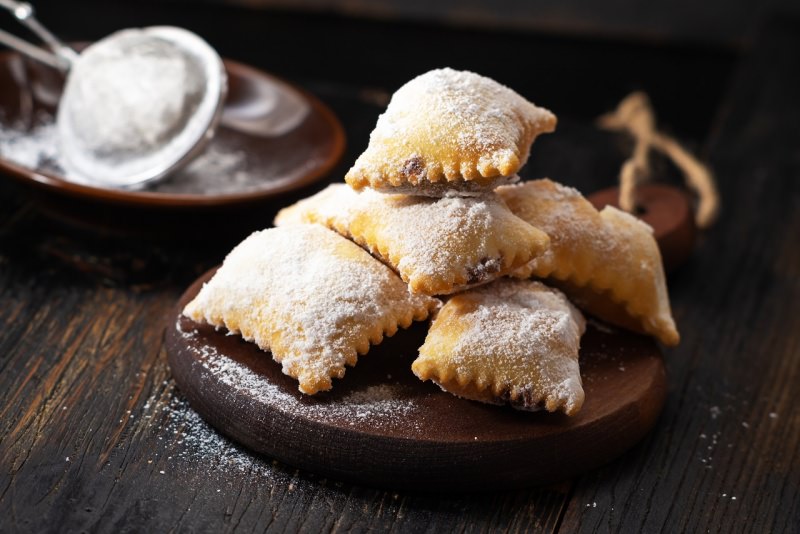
pixel 428 227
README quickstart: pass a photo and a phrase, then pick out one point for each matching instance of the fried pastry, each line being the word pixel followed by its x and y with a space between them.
pixel 311 297
pixel 607 262
pixel 449 130
pixel 438 246
pixel 511 341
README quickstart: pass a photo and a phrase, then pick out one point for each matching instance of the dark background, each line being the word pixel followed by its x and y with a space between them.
pixel 94 435
pixel 378 46
pixel 712 21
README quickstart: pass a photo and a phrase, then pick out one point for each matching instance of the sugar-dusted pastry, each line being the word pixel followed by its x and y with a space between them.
pixel 511 341
pixel 436 245
pixel 449 130
pixel 607 262
pixel 311 297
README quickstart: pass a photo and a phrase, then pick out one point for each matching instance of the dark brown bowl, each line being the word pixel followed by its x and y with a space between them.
pixel 282 163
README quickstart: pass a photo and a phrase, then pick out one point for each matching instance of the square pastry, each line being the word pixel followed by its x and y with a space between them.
pixel 309 296
pixel 607 262
pixel 511 341
pixel 437 245
pixel 450 131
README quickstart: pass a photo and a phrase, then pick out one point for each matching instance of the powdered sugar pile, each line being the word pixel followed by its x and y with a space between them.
pixel 35 148
pixel 137 102
pixel 111 87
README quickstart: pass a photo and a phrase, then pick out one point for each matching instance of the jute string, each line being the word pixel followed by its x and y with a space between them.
pixel 635 116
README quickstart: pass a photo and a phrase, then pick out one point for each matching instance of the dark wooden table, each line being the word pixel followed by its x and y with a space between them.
pixel 94 435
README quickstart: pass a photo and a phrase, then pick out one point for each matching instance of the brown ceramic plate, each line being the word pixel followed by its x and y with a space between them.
pixel 381 426
pixel 251 159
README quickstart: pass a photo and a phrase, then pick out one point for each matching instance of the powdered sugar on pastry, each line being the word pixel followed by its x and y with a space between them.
pixel 436 245
pixel 607 262
pixel 511 341
pixel 453 126
pixel 311 297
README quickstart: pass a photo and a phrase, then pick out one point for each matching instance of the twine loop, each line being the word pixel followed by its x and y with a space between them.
pixel 635 115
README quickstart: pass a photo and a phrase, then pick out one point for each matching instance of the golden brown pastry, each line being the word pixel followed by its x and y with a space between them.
pixel 511 341
pixel 449 130
pixel 311 297
pixel 607 262
pixel 436 245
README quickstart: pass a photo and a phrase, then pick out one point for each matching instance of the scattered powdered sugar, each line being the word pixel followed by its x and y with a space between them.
pixel 384 406
pixel 707 448
pixel 183 441
pixel 198 446
pixel 376 403
pixel 223 168
pixel 35 148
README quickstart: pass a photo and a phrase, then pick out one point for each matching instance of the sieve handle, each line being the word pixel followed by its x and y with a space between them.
pixel 63 57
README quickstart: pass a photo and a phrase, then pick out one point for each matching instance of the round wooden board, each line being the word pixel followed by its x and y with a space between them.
pixel 381 426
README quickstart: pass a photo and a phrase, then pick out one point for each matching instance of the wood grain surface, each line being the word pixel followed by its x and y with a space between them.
pixel 95 437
